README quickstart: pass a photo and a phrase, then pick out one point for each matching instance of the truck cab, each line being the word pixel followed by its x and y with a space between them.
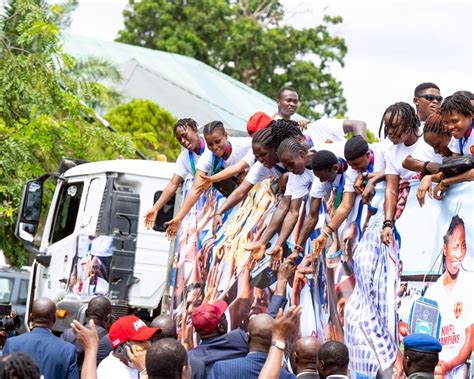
pixel 91 240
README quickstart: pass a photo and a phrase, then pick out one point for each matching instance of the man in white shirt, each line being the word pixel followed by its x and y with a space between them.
pixel 127 335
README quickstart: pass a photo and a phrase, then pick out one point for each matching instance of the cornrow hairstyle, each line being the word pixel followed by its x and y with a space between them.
pixel 263 137
pixel 185 123
pixel 283 129
pixel 19 365
pixel 283 89
pixel 212 127
pixel 323 159
pixel 468 94
pixel 420 88
pixel 291 145
pixel 409 121
pixel 434 124
pixel 457 103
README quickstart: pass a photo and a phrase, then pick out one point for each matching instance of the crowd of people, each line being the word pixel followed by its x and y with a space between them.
pixel 320 173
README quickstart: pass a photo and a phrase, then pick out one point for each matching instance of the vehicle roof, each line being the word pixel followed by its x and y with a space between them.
pixel 14 270
pixel 154 169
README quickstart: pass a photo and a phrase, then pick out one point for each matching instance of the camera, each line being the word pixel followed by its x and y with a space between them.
pixel 8 323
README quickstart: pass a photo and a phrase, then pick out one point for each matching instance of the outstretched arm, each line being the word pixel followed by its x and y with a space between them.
pixel 166 195
pixel 390 205
pixel 416 165
pixel 276 220
pixel 357 127
pixel 310 221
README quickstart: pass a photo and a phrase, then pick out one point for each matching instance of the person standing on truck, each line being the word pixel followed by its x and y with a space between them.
pixel 223 152
pixel 186 132
pixel 55 358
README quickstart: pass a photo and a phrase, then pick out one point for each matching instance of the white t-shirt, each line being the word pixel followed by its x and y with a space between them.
pixel 299 185
pixel 240 148
pixel 250 157
pixel 112 367
pixel 457 313
pixel 427 154
pixel 467 145
pixel 395 155
pixel 183 163
pixel 379 164
pixel 326 131
pixel 259 172
pixel 320 189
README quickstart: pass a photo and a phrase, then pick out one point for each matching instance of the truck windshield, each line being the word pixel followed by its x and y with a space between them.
pixel 66 211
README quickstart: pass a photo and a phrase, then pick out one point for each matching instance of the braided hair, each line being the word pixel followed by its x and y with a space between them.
pixel 263 137
pixel 291 145
pixel 185 123
pixel 457 103
pixel 434 124
pixel 212 127
pixel 410 123
pixel 18 365
pixel 283 129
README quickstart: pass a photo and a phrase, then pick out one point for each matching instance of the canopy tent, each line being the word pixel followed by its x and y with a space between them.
pixel 182 85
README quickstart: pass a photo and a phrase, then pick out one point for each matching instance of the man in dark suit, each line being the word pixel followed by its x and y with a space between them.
pixel 99 310
pixel 333 360
pixel 260 340
pixel 55 358
pixel 304 358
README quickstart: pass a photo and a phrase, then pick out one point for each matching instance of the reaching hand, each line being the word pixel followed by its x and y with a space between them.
pixel 442 368
pixel 286 325
pixel 425 186
pixel 387 236
pixel 150 218
pixel 216 222
pixel 303 124
pixel 359 185
pixel 439 191
pixel 368 192
pixel 306 265
pixel 88 338
pixel 173 227
pixel 257 252
pixel 137 356
pixel 286 270
pixel 205 184
pixel 277 257
pixel 320 244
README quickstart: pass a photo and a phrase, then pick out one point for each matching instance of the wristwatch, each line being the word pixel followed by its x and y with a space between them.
pixel 279 344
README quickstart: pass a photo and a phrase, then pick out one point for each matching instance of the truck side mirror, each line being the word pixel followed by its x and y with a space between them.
pixel 30 211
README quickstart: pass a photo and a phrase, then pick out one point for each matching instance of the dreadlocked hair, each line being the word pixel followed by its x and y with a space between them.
pixel 434 124
pixel 283 129
pixel 212 127
pixel 185 123
pixel 409 121
pixel 457 103
pixel 18 365
pixel 291 145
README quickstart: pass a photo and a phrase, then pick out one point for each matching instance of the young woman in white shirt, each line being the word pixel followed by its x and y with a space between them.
pixel 222 152
pixel 186 132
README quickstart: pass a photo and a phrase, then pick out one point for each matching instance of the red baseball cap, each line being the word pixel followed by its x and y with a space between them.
pixel 130 328
pixel 256 122
pixel 206 317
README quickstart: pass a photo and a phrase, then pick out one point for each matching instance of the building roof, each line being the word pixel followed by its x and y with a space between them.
pixel 182 85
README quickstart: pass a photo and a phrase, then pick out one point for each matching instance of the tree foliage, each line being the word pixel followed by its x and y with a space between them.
pixel 40 121
pixel 148 126
pixel 246 40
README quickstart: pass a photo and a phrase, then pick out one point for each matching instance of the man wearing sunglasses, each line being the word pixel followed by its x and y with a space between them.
pixel 427 100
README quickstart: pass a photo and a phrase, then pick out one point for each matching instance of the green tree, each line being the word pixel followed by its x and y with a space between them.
pixel 40 122
pixel 246 40
pixel 148 126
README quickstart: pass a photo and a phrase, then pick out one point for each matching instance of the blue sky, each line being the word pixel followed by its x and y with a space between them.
pixel 393 46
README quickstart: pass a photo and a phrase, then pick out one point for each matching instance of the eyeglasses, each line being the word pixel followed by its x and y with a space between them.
pixel 432 98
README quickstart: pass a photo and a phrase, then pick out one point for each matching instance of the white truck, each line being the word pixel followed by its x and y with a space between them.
pixel 98 199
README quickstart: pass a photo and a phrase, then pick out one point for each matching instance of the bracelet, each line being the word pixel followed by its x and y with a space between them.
pixel 330 228
pixel 388 224
pixel 425 168
pixel 298 248
pixel 333 255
